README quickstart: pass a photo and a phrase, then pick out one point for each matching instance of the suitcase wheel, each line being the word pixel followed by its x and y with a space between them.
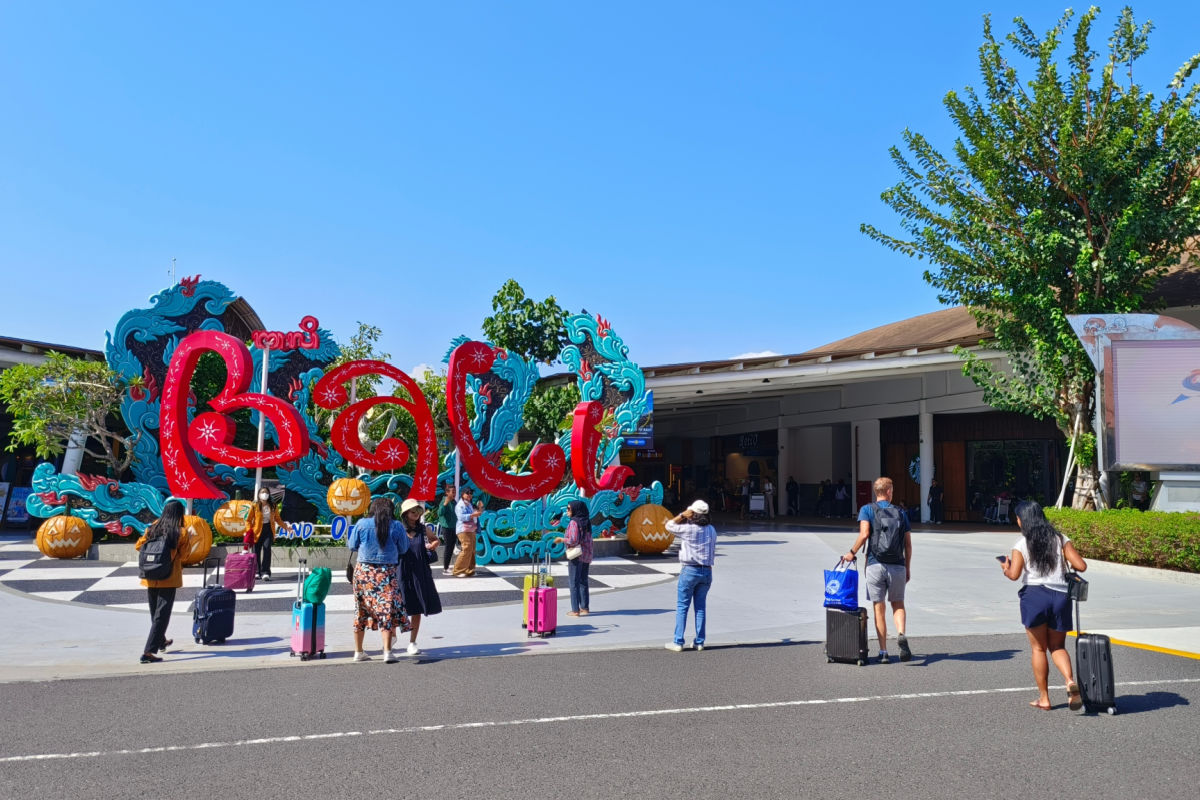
pixel 860 663
pixel 292 654
pixel 251 589
pixel 321 654
pixel 1112 710
pixel 828 660
pixel 304 656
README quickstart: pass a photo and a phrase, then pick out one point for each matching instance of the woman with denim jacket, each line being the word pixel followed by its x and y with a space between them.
pixel 380 541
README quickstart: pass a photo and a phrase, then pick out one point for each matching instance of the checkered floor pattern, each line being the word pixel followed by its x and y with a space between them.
pixel 101 583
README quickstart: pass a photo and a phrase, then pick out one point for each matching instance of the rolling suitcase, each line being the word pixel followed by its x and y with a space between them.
pixel 846 635
pixel 1094 670
pixel 212 610
pixel 308 622
pixel 542 607
pixel 534 579
pixel 240 570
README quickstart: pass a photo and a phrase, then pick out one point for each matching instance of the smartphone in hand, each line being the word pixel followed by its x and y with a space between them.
pixel 1002 559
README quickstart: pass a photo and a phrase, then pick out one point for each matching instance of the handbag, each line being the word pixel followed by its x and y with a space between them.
pixel 1077 587
pixel 350 562
pixel 574 552
pixel 841 586
pixel 431 555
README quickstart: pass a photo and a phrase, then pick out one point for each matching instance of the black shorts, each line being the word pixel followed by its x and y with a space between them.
pixel 1043 606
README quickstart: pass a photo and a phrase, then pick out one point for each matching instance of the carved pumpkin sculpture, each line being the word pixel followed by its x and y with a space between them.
pixel 64 537
pixel 197 540
pixel 647 531
pixel 234 518
pixel 348 497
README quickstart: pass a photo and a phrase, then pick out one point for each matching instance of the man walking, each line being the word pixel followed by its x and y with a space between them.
pixel 884 530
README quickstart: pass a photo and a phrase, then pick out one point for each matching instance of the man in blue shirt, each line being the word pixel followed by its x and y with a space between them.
pixel 884 530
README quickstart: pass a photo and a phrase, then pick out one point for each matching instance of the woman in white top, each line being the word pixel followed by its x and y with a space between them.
pixel 1037 561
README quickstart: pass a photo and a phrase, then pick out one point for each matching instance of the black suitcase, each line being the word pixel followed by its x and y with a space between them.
pixel 846 635
pixel 212 610
pixel 1094 670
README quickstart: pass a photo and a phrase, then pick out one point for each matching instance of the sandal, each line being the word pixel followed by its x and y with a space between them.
pixel 1041 707
pixel 572 613
pixel 1074 699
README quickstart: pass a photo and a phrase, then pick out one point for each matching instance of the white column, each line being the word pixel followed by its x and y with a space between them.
pixel 262 420
pixel 73 457
pixel 925 426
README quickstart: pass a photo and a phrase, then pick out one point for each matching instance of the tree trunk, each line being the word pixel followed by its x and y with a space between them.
pixel 1085 489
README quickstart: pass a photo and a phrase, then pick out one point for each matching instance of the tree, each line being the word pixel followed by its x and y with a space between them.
pixel 535 331
pixel 1067 194
pixel 549 409
pixel 64 398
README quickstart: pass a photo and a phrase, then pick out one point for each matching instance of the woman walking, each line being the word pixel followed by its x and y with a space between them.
pixel 579 534
pixel 1037 561
pixel 161 593
pixel 379 541
pixel 697 551
pixel 416 577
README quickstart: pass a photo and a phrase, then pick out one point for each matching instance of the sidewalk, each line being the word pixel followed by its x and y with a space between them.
pixel 768 587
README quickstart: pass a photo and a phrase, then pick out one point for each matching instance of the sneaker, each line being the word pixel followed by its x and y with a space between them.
pixel 883 657
pixel 674 648
pixel 905 653
pixel 413 650
pixel 389 657
pixel 699 647
pixel 359 655
pixel 267 578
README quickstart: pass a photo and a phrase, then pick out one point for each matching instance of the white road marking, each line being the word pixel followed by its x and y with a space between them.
pixel 459 726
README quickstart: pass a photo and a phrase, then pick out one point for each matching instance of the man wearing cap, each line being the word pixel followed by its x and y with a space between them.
pixel 697 551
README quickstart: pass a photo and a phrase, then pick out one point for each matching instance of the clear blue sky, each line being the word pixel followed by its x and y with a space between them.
pixel 695 172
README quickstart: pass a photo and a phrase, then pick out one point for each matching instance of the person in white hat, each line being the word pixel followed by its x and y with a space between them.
pixel 697 551
pixel 417 588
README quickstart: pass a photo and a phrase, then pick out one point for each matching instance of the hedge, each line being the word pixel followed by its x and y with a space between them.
pixel 1165 540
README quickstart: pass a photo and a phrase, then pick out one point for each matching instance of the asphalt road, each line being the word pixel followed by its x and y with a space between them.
pixel 751 721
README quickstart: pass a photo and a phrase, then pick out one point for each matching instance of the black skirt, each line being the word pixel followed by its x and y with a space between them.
pixel 416 581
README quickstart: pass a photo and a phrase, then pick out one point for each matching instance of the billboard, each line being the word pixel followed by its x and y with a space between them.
pixel 1155 404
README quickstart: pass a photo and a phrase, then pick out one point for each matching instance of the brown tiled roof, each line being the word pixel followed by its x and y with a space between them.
pixel 1180 286
pixel 945 328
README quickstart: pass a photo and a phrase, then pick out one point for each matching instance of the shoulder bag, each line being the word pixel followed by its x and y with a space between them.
pixel 1077 587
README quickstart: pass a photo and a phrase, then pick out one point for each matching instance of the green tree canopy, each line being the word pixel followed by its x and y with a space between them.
pixel 1067 193
pixel 535 331
pixel 67 397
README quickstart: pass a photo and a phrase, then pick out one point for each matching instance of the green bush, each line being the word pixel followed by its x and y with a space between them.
pixel 1128 536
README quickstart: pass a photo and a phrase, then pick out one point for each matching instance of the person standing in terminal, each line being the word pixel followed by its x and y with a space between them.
pixel 1037 561
pixel 416 578
pixel 793 497
pixel 578 534
pixel 380 541
pixel 446 522
pixel 161 593
pixel 267 523
pixel 884 530
pixel 769 492
pixel 936 495
pixel 466 524
pixel 697 552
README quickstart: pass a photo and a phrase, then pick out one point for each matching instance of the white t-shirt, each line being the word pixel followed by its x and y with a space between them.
pixel 1031 577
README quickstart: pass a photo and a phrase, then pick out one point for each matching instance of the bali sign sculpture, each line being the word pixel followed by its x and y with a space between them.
pixel 188 453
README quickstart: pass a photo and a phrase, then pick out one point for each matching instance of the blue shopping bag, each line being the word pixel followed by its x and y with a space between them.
pixel 841 586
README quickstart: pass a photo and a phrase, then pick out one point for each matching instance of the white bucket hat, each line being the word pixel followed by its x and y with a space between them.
pixel 698 507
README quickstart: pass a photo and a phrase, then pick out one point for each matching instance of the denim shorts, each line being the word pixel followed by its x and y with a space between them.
pixel 886 582
pixel 1041 605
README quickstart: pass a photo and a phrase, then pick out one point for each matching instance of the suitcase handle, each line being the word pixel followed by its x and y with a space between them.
pixel 301 571
pixel 216 562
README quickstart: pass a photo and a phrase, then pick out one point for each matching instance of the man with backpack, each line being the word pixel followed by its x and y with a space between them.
pixel 883 529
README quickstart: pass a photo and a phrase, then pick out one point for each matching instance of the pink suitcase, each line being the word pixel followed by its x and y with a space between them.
pixel 240 570
pixel 542 608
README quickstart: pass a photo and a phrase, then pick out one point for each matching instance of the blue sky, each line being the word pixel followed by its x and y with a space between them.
pixel 695 172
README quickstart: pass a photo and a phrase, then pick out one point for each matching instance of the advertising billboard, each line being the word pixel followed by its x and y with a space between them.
pixel 1155 404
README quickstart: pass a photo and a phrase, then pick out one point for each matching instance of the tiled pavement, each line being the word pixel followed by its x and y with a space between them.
pixel 117 585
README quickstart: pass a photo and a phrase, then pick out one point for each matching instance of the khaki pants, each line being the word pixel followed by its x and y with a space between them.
pixel 465 563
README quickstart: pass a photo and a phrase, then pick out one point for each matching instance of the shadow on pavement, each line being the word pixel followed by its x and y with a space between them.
pixel 761 541
pixel 980 656
pixel 1150 701
pixel 631 612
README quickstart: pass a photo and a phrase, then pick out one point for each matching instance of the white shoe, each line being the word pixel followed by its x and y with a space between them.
pixel 359 655
pixel 389 657
pixel 413 650
pixel 674 648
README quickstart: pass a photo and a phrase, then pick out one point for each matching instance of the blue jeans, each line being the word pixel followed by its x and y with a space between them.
pixel 694 583
pixel 577 577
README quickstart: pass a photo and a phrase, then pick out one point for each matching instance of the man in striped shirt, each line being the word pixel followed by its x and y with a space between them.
pixel 697 551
